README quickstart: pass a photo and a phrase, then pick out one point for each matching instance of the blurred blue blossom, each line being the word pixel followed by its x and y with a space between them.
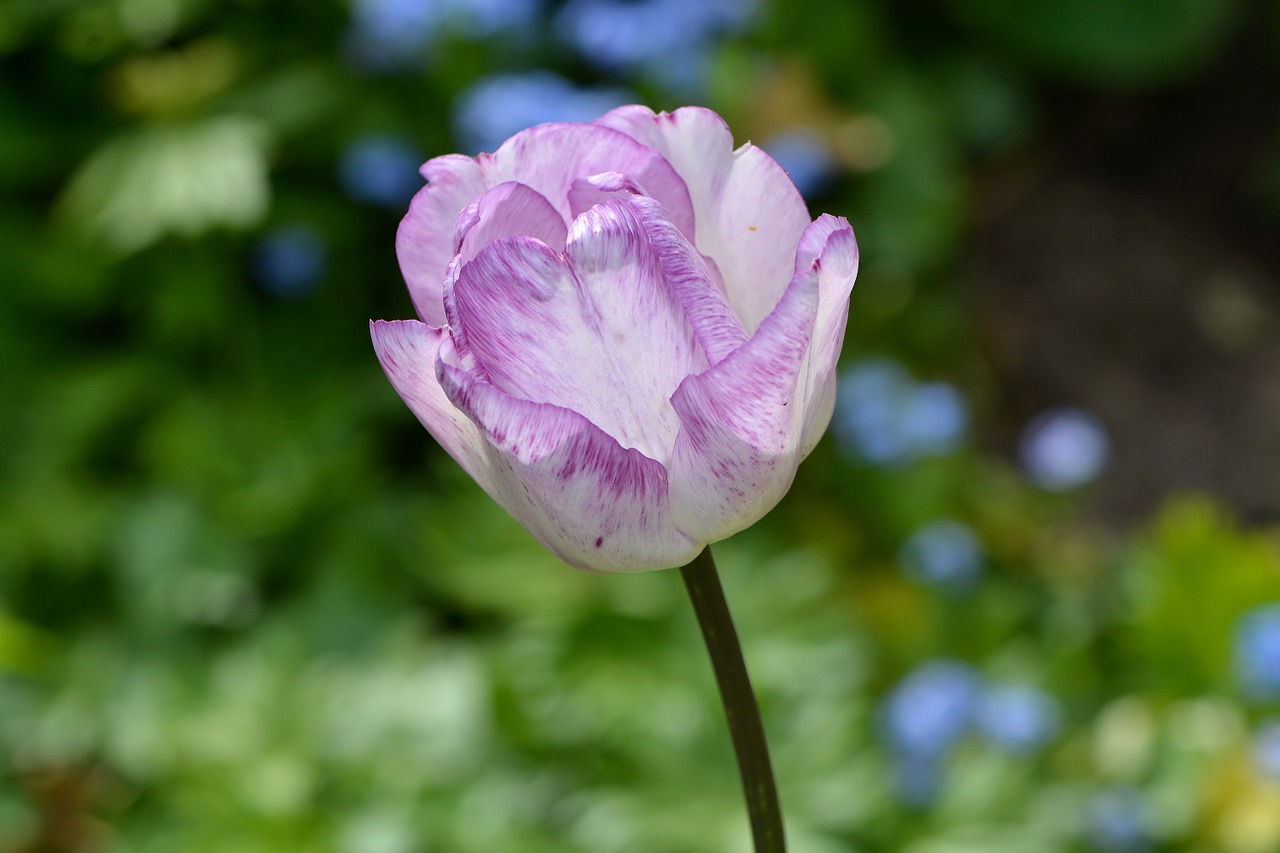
pixel 930 709
pixel 1257 652
pixel 805 156
pixel 885 417
pixel 288 262
pixel 626 34
pixel 1266 748
pixel 381 169
pixel 1018 717
pixel 943 553
pixel 388 34
pixel 1117 821
pixel 917 779
pixel 484 18
pixel 488 113
pixel 1064 448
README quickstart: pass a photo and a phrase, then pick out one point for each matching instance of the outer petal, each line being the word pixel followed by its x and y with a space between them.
pixel 829 250
pixel 408 350
pixel 739 442
pixel 593 503
pixel 424 241
pixel 608 330
pixel 550 157
pixel 750 215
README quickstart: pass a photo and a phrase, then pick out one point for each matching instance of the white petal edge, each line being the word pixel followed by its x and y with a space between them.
pixel 407 351
pixel 829 250
pixel 424 240
pixel 749 214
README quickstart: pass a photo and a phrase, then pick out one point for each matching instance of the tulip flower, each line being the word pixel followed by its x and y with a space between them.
pixel 627 334
pixel 627 331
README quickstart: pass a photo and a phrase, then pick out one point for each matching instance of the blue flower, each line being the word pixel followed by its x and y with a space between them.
pixel 626 34
pixel 1018 717
pixel 1062 449
pixel 886 417
pixel 1266 748
pixel 494 109
pixel 943 553
pixel 805 156
pixel 388 34
pixel 930 709
pixel 1117 821
pixel 381 169
pixel 917 779
pixel 1257 652
pixel 484 18
pixel 288 262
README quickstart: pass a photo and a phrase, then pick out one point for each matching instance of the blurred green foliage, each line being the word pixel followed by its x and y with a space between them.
pixel 247 604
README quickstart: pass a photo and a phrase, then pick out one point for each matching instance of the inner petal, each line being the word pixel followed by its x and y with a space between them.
pixel 510 209
pixel 599 329
pixel 550 157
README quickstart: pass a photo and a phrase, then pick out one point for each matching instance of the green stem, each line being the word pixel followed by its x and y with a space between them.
pixel 740 706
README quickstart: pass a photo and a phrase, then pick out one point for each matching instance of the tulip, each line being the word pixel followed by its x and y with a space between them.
pixel 628 331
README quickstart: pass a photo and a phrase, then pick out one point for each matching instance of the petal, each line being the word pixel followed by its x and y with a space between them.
pixel 695 284
pixel 829 250
pixel 740 436
pixel 550 157
pixel 508 210
pixel 408 350
pixel 424 241
pixel 587 192
pixel 749 214
pixel 594 504
pixel 601 330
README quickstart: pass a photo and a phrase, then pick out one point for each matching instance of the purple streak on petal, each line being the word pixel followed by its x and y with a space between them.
pixel 600 330
pixel 716 326
pixel 550 157
pixel 594 504
pixel 828 248
pixel 424 242
pixel 407 350
pixel 750 215
pixel 739 442
pixel 507 210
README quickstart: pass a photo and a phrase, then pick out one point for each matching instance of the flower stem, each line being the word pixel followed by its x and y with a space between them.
pixel 740 706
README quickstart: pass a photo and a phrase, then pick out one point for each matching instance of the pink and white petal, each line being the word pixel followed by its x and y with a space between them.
pixel 550 157
pixel 600 330
pixel 749 214
pixel 408 350
pixel 829 250
pixel 594 504
pixel 510 209
pixel 424 241
pixel 740 437
pixel 691 278
pixel 587 192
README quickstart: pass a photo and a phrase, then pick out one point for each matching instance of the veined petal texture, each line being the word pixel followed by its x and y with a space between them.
pixel 596 505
